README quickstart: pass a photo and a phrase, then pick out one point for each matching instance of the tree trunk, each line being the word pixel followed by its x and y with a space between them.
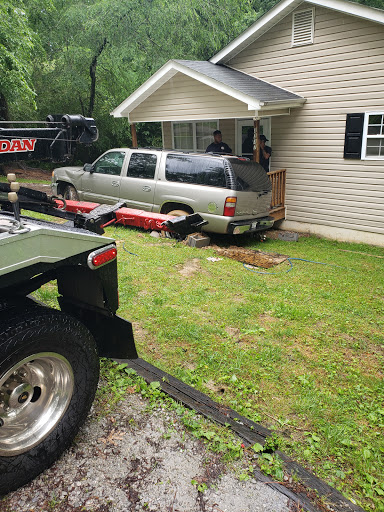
pixel 92 72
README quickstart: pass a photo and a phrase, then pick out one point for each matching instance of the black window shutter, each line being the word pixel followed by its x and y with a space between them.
pixel 353 136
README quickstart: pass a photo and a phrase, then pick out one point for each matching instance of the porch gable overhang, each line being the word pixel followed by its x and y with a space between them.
pixel 257 97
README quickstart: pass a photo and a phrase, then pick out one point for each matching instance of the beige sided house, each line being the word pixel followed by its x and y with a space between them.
pixel 312 72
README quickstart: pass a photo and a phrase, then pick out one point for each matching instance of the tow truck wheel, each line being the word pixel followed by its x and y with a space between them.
pixel 70 193
pixel 49 371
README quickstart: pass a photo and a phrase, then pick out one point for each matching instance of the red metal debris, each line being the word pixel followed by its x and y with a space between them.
pixel 142 219
pixel 125 216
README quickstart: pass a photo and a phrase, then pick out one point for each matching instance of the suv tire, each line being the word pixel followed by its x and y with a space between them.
pixel 70 193
pixel 178 213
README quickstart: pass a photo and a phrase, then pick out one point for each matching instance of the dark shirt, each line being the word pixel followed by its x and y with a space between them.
pixel 265 161
pixel 221 147
pixel 247 145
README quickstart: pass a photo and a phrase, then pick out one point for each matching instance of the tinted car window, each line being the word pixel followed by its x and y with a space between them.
pixel 142 165
pixel 111 163
pixel 200 171
pixel 250 175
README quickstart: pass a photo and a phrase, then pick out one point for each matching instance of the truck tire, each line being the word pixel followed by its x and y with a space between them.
pixel 49 372
pixel 70 193
pixel 178 213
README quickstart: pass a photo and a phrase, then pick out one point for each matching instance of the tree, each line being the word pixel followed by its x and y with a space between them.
pixel 99 51
pixel 17 42
pixel 89 55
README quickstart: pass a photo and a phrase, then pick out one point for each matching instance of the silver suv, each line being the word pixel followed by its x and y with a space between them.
pixel 233 194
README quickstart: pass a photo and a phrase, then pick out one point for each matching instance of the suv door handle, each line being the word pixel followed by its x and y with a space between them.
pixel 115 184
pixel 147 188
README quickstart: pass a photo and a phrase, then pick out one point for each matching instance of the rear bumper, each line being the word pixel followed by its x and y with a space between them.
pixel 250 225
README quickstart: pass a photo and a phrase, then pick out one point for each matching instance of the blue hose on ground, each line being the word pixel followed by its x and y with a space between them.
pixel 291 266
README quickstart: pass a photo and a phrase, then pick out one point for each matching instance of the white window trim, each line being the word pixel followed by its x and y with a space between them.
pixel 366 137
pixel 293 44
pixel 193 133
pixel 265 121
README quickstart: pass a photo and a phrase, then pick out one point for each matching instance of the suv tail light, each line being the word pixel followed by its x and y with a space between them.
pixel 230 206
pixel 100 257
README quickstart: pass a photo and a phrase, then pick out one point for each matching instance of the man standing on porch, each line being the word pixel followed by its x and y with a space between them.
pixel 265 153
pixel 218 146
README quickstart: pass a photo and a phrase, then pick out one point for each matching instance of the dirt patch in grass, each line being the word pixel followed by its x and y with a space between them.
pixel 22 171
pixel 217 388
pixel 368 361
pixel 233 332
pixel 145 339
pixel 190 267
pixel 250 256
pixel 266 320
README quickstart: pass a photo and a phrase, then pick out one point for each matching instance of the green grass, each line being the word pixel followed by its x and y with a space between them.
pixel 300 352
pixel 3 179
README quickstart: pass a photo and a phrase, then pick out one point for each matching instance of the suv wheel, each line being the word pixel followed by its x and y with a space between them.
pixel 178 213
pixel 70 193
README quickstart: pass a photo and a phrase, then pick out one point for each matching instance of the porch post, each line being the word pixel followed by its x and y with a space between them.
pixel 256 140
pixel 134 135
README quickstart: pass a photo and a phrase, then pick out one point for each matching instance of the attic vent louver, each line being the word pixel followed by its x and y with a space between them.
pixel 302 27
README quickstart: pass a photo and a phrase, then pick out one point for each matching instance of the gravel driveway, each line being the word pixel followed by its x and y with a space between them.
pixel 134 460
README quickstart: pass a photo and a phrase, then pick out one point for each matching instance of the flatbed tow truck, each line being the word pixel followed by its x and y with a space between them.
pixel 49 358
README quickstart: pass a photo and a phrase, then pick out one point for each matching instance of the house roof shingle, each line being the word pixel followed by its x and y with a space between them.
pixel 260 90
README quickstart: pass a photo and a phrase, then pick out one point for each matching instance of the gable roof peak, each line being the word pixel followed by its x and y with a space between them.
pixel 282 9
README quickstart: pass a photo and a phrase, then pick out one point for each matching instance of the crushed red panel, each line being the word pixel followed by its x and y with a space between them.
pixel 125 216
pixel 142 219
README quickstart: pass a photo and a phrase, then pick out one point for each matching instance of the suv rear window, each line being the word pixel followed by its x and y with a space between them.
pixel 250 175
pixel 196 170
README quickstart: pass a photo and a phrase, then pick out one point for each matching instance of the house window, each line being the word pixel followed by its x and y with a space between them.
pixel 182 135
pixel 303 27
pixel 193 135
pixel 364 136
pixel 373 136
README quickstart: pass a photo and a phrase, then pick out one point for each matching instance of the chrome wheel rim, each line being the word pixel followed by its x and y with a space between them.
pixel 34 395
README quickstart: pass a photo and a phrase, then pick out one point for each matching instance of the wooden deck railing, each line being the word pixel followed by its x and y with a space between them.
pixel 278 193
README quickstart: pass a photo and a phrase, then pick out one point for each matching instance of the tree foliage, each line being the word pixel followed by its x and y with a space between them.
pixel 87 56
pixel 17 41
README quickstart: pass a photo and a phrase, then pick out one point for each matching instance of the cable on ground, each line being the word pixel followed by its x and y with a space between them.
pixel 291 266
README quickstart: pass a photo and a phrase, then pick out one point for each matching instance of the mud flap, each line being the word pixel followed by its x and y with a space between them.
pixel 113 334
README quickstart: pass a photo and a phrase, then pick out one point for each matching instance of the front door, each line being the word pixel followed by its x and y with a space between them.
pixel 245 135
pixel 103 183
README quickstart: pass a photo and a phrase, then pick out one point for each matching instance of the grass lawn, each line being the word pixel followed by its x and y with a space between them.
pixel 3 179
pixel 301 352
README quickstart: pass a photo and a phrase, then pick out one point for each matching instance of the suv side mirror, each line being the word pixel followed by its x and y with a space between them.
pixel 88 168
